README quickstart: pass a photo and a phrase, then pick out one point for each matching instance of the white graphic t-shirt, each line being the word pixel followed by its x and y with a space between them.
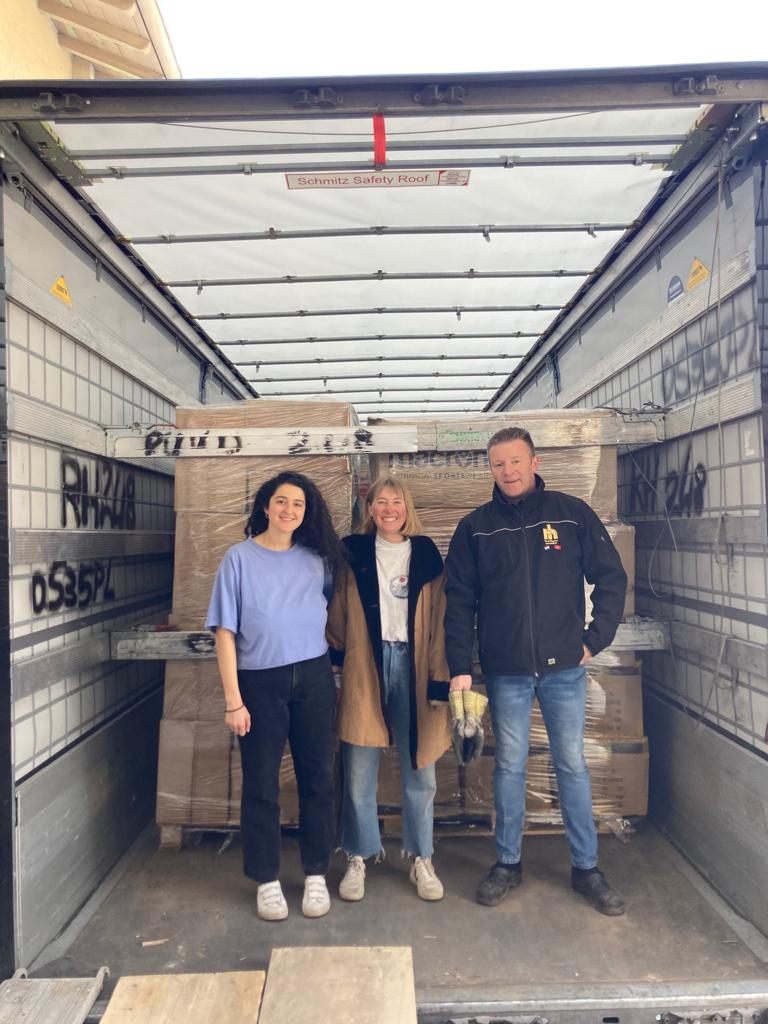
pixel 392 564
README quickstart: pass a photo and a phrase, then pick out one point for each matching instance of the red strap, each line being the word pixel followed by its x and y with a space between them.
pixel 379 140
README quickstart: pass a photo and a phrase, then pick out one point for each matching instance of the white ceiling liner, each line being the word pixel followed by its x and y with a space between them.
pixel 424 372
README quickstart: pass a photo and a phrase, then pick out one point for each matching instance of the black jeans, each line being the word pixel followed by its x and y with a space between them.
pixel 294 702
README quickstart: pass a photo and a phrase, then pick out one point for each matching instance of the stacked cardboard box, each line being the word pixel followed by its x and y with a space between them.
pixel 615 750
pixel 199 780
pixel 447 485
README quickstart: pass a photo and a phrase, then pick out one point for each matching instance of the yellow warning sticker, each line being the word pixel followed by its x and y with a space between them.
pixel 699 273
pixel 61 291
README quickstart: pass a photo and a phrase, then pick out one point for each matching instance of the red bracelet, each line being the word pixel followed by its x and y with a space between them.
pixel 228 711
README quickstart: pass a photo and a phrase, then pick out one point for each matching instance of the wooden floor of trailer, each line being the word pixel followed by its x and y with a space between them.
pixel 193 911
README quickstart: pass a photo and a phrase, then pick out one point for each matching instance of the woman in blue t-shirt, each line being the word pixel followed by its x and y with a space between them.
pixel 269 610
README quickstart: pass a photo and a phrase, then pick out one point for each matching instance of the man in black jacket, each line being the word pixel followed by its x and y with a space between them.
pixel 518 565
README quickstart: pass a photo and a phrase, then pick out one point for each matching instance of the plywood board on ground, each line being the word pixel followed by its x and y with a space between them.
pixel 233 997
pixel 372 985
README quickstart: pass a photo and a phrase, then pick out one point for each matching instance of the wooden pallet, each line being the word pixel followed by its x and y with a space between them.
pixel 458 823
pixel 174 837
pixel 469 823
pixel 233 997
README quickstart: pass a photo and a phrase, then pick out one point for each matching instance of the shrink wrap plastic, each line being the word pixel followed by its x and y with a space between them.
pixel 199 780
pixel 462 479
pixel 203 535
pixel 615 750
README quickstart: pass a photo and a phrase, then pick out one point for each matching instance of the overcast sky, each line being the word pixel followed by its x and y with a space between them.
pixel 279 38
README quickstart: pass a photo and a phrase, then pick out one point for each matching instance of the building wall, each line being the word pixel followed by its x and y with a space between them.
pixel 29 43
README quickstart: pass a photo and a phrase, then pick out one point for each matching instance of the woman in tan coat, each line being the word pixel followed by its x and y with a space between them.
pixel 385 629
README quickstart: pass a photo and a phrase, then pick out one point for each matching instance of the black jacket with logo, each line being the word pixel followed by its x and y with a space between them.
pixel 520 566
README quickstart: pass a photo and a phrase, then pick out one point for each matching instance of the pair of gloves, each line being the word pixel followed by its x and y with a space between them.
pixel 467 734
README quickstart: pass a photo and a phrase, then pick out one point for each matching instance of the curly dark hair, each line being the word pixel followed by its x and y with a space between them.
pixel 316 530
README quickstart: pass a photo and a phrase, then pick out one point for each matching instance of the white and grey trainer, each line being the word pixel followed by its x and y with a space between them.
pixel 423 876
pixel 316 901
pixel 352 885
pixel 270 902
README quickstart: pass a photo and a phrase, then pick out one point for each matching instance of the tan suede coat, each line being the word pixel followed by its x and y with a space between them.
pixel 354 631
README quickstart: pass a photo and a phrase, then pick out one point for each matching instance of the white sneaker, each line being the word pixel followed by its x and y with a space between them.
pixel 352 886
pixel 428 885
pixel 316 901
pixel 270 902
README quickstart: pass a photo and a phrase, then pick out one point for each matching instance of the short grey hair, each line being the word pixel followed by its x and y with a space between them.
pixel 510 434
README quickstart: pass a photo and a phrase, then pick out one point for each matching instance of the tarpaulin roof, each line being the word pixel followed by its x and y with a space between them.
pixel 403 263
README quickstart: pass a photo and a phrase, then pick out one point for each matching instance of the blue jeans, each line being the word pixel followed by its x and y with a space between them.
pixel 360 835
pixel 562 699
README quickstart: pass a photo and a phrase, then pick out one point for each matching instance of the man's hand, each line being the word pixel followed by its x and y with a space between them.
pixel 587 655
pixel 461 682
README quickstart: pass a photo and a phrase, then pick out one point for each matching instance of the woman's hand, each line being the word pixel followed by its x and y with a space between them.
pixel 463 682
pixel 239 721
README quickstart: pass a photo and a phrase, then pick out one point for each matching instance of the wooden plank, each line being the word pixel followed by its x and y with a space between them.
pixel 105 58
pixel 372 985
pixel 730 529
pixel 638 634
pixel 105 29
pixel 152 644
pixel 32 674
pixel 157 442
pixel 550 428
pixel 729 650
pixel 162 645
pixel 233 997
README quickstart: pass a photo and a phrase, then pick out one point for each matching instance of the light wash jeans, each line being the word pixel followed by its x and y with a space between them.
pixel 562 699
pixel 360 834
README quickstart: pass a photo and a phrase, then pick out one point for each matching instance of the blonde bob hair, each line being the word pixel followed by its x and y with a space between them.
pixel 412 525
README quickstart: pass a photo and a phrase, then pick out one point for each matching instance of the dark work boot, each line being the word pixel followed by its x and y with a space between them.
pixel 497 883
pixel 594 885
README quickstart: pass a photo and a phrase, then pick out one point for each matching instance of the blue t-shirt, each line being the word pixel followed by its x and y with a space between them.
pixel 273 602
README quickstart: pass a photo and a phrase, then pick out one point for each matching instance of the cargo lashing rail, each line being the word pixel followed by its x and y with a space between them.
pixel 626 1011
